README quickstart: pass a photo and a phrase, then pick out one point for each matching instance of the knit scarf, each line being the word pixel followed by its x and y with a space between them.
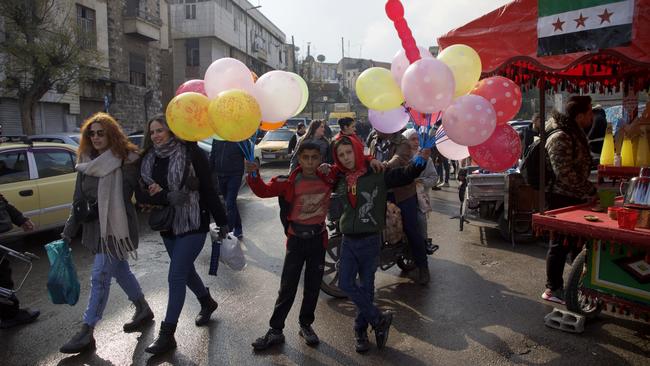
pixel 113 222
pixel 187 217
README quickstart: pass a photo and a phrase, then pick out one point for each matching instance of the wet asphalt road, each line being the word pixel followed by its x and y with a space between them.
pixel 481 307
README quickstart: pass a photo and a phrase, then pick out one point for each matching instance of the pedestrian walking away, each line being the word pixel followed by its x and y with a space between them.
pixel 304 201
pixel 11 314
pixel 105 222
pixel 177 186
pixel 361 223
pixel 227 167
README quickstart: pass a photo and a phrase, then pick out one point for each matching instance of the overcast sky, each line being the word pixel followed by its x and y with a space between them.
pixel 364 25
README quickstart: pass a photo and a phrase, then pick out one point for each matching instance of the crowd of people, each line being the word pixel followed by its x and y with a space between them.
pixel 179 185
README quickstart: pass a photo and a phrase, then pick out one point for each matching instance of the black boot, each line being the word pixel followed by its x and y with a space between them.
pixel 24 316
pixel 423 275
pixel 208 306
pixel 165 341
pixel 361 337
pixel 271 338
pixel 142 315
pixel 81 341
pixel 382 328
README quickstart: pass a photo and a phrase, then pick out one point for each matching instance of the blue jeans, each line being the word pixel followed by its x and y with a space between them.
pixel 183 251
pixel 229 188
pixel 360 256
pixel 409 209
pixel 104 269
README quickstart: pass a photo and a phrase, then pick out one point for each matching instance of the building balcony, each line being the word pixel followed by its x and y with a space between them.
pixel 142 24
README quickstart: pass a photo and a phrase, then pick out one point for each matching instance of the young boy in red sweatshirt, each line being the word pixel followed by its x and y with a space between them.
pixel 307 196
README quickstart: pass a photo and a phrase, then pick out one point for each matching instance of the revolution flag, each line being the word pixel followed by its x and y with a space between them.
pixel 565 26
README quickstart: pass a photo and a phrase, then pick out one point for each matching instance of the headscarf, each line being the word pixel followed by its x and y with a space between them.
pixel 360 168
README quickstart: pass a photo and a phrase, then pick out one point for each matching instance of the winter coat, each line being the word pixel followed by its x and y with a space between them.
pixel 570 159
pixel 399 155
pixel 86 188
pixel 226 159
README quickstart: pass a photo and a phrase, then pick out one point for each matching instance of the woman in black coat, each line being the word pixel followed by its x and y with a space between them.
pixel 176 176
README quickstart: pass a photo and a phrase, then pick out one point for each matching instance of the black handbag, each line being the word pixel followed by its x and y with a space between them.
pixel 85 210
pixel 161 218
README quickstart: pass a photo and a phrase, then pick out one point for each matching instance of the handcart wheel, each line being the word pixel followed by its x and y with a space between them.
pixel 576 301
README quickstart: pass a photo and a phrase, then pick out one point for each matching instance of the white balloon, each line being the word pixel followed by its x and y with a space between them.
pixel 448 148
pixel 279 95
pixel 401 63
pixel 226 74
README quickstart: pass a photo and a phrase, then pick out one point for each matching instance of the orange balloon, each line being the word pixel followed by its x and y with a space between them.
pixel 270 126
pixel 255 77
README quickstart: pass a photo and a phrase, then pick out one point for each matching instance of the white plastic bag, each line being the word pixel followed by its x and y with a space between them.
pixel 232 253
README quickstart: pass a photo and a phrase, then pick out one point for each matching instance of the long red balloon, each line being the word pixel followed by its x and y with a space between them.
pixel 395 12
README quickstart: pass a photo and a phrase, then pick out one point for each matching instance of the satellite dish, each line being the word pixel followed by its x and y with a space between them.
pixel 309 58
pixel 320 58
pixel 296 48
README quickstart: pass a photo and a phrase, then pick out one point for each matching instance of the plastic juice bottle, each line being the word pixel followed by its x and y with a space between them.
pixel 635 148
pixel 627 153
pixel 607 153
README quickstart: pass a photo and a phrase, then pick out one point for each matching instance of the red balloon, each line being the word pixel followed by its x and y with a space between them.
pixel 500 152
pixel 196 86
pixel 394 9
pixel 504 95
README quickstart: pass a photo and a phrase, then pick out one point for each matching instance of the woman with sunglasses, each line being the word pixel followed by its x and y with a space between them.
pixel 107 178
pixel 176 175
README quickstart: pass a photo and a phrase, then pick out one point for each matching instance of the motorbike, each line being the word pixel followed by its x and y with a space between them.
pixel 391 254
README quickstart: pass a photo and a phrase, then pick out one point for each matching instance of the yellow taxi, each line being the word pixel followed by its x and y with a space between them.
pixel 39 180
pixel 274 146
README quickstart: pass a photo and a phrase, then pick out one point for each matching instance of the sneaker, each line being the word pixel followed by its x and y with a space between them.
pixel 24 316
pixel 272 337
pixel 306 332
pixel 446 184
pixel 556 296
pixel 382 328
pixel 362 344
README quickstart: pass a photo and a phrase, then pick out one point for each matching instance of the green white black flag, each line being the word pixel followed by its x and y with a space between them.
pixel 567 26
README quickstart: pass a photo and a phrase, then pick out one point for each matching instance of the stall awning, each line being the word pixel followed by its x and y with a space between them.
pixel 507 40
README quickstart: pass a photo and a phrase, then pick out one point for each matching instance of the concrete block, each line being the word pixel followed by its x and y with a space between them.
pixel 565 320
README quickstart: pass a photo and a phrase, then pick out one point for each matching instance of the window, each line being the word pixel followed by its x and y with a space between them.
pixel 190 11
pixel 137 70
pixel 227 5
pixel 86 25
pixel 51 163
pixel 13 167
pixel 192 52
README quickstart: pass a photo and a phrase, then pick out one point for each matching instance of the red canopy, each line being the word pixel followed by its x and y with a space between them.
pixel 506 40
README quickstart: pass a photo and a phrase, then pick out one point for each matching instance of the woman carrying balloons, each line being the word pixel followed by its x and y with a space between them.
pixel 107 177
pixel 315 134
pixel 177 177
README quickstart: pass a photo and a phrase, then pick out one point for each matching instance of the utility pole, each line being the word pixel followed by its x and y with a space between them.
pixel 293 50
pixel 342 49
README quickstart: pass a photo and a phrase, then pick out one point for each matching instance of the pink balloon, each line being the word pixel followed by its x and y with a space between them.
pixel 195 85
pixel 428 85
pixel 389 121
pixel 500 152
pixel 504 95
pixel 226 74
pixel 469 120
pixel 401 63
pixel 448 148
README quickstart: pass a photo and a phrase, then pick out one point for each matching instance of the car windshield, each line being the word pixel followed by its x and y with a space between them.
pixel 75 139
pixel 293 122
pixel 284 135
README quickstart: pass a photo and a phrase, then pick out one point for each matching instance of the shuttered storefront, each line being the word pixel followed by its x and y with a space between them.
pixel 10 117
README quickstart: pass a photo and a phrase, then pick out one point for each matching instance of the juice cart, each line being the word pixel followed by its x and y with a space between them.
pixel 612 271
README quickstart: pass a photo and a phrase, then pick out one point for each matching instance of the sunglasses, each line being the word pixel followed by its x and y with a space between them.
pixel 99 133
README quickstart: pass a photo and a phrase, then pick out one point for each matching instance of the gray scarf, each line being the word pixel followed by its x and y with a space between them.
pixel 113 223
pixel 188 216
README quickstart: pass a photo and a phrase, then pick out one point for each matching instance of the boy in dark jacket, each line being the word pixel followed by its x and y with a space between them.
pixel 11 314
pixel 363 218
pixel 307 194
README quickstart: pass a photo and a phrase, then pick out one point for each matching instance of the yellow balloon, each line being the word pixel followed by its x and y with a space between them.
pixel 377 89
pixel 187 116
pixel 234 115
pixel 465 64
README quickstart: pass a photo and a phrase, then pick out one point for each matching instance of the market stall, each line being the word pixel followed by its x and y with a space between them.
pixel 613 272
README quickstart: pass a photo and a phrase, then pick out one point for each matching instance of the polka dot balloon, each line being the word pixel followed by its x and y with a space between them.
pixel 503 94
pixel 500 152
pixel 470 120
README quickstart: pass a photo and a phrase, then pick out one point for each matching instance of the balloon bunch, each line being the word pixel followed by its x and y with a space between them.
pixel 419 86
pixel 231 103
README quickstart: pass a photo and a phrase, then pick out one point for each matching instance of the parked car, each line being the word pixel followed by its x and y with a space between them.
pixel 70 138
pixel 274 146
pixel 292 123
pixel 39 179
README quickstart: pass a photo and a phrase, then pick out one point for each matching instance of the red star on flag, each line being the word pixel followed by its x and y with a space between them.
pixel 580 21
pixel 558 25
pixel 604 17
